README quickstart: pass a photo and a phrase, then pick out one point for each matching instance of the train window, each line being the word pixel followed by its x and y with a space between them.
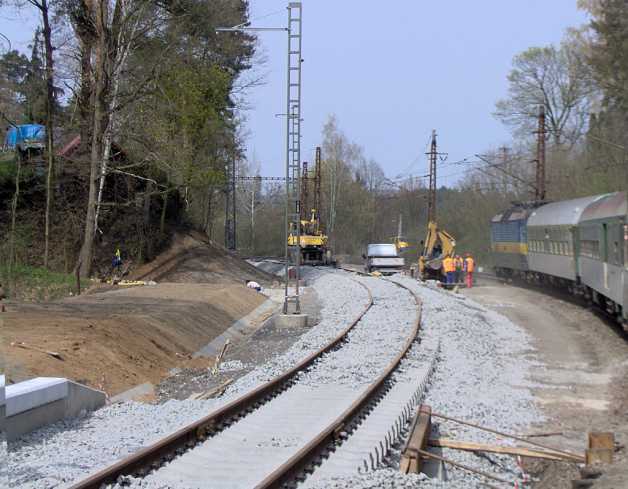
pixel 590 249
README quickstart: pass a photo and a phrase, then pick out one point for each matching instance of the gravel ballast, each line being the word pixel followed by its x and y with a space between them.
pixel 480 376
pixel 271 434
pixel 63 452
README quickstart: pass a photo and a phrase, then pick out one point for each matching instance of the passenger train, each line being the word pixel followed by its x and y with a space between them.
pixel 580 245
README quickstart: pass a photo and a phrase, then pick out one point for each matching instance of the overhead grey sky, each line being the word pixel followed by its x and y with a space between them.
pixel 391 72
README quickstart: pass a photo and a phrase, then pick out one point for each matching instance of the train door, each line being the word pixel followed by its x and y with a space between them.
pixel 573 250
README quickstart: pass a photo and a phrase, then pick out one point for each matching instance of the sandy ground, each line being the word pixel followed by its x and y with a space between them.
pixel 581 384
pixel 265 343
pixel 116 339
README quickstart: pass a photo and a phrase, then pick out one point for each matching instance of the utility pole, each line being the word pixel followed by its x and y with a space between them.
pixel 431 199
pixel 230 206
pixel 293 142
pixel 540 156
pixel 317 186
pixel 305 209
pixel 293 154
pixel 253 189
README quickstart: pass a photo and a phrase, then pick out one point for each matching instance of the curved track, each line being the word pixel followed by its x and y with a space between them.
pixel 305 420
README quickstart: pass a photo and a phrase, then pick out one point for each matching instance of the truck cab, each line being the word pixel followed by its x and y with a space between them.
pixel 382 258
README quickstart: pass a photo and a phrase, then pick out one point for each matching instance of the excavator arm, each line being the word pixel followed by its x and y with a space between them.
pixel 429 261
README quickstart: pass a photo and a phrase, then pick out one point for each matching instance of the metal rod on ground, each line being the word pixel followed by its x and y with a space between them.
pixel 465 467
pixel 575 456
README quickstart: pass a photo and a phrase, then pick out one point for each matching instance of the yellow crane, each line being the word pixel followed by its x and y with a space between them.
pixel 400 242
pixel 313 242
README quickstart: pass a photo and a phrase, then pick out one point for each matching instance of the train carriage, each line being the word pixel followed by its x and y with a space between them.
pixel 603 252
pixel 509 242
pixel 552 240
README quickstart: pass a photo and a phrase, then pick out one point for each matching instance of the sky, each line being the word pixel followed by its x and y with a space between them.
pixel 390 72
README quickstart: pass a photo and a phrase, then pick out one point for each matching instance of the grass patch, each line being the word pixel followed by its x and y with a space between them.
pixel 36 284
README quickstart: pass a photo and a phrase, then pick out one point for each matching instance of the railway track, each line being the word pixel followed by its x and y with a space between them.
pixel 307 420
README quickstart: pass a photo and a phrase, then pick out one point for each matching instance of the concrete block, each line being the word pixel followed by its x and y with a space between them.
pixel 42 401
pixel 34 392
pixel 238 330
pixel 291 321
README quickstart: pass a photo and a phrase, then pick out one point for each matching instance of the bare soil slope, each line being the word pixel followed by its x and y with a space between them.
pixel 192 259
pixel 123 337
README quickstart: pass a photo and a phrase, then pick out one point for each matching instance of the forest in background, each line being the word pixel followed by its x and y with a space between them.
pixel 583 85
pixel 144 103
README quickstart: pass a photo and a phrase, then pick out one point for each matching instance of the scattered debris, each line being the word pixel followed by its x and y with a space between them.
pixel 482 447
pixel 411 459
pixel 21 344
pixel 215 392
pixel 219 357
pixel 565 454
pixel 541 435
pixel 601 448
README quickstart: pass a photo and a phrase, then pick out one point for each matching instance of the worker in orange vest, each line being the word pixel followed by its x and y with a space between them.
pixel 459 263
pixel 450 269
pixel 469 268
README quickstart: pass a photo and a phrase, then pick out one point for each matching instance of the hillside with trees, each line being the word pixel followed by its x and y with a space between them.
pixel 142 104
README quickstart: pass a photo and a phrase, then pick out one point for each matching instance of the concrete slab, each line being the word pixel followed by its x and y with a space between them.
pixel 146 389
pixel 34 393
pixel 291 321
pixel 239 329
pixel 45 400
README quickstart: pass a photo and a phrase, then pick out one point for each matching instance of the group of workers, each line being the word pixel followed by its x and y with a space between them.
pixel 455 266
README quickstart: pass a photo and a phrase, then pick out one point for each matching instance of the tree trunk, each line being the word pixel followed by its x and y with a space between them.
pixel 49 125
pixel 16 196
pixel 162 220
pixel 120 53
pixel 146 222
pixel 85 96
pixel 87 250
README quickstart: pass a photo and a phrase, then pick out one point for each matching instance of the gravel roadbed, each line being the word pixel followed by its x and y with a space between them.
pixel 61 453
pixel 480 376
pixel 271 434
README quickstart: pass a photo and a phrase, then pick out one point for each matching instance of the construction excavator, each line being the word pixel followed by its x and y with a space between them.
pixel 313 241
pixel 438 245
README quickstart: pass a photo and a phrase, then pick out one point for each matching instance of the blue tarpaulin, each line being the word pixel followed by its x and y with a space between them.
pixel 17 135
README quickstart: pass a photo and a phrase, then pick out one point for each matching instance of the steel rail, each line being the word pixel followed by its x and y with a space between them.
pixel 148 458
pixel 299 462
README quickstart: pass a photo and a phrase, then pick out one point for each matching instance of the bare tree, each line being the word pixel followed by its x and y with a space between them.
pixel 112 39
pixel 556 78
pixel 43 7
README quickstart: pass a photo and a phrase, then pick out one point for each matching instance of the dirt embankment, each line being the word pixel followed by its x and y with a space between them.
pixel 117 339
